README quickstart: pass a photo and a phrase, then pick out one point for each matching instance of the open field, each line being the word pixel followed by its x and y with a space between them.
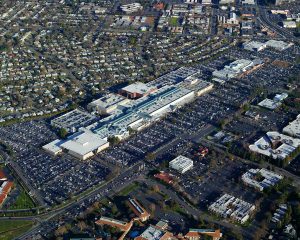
pixel 10 229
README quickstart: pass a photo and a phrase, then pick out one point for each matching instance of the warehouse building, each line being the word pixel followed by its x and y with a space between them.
pixel 181 164
pixel 261 178
pixel 228 206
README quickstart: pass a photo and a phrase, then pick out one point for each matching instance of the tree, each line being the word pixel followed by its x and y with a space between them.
pixel 62 133
pixel 156 188
pixel 150 156
pixel 82 225
pixel 61 231
pixel 113 140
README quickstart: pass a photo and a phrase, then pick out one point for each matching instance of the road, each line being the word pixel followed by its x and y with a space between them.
pixel 264 19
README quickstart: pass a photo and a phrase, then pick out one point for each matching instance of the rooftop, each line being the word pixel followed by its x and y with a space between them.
pixel 83 142
pixel 138 87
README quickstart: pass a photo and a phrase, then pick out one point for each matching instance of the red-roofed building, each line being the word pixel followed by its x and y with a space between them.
pixel 196 234
pixel 2 176
pixel 123 226
pixel 5 188
pixel 138 209
pixel 165 177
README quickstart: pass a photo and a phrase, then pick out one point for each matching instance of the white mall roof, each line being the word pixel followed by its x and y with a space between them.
pixel 137 87
pixel 54 146
pixel 83 142
pixel 108 100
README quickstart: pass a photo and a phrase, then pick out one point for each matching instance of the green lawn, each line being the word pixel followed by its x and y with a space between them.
pixel 173 21
pixel 23 201
pixel 125 191
pixel 10 229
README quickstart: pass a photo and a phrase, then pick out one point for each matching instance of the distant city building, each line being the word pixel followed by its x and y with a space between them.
pixel 289 24
pixel 226 2
pixel 278 45
pixel 273 103
pixel 261 178
pixel 248 2
pixel 131 8
pixel 254 46
pixel 181 164
pixel 280 2
pixel 228 206
pixel 275 145
pixel 293 128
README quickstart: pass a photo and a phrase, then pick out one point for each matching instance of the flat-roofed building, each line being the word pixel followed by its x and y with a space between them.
pixel 53 147
pixel 73 120
pixel 269 104
pixel 236 68
pixel 131 7
pixel 196 234
pixel 228 206
pixel 137 90
pixel 5 188
pixel 278 45
pixel 181 164
pixel 261 178
pixel 293 128
pixel 136 207
pixel 254 46
pixel 107 104
pixel 81 145
pixel 275 145
pixel 155 233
